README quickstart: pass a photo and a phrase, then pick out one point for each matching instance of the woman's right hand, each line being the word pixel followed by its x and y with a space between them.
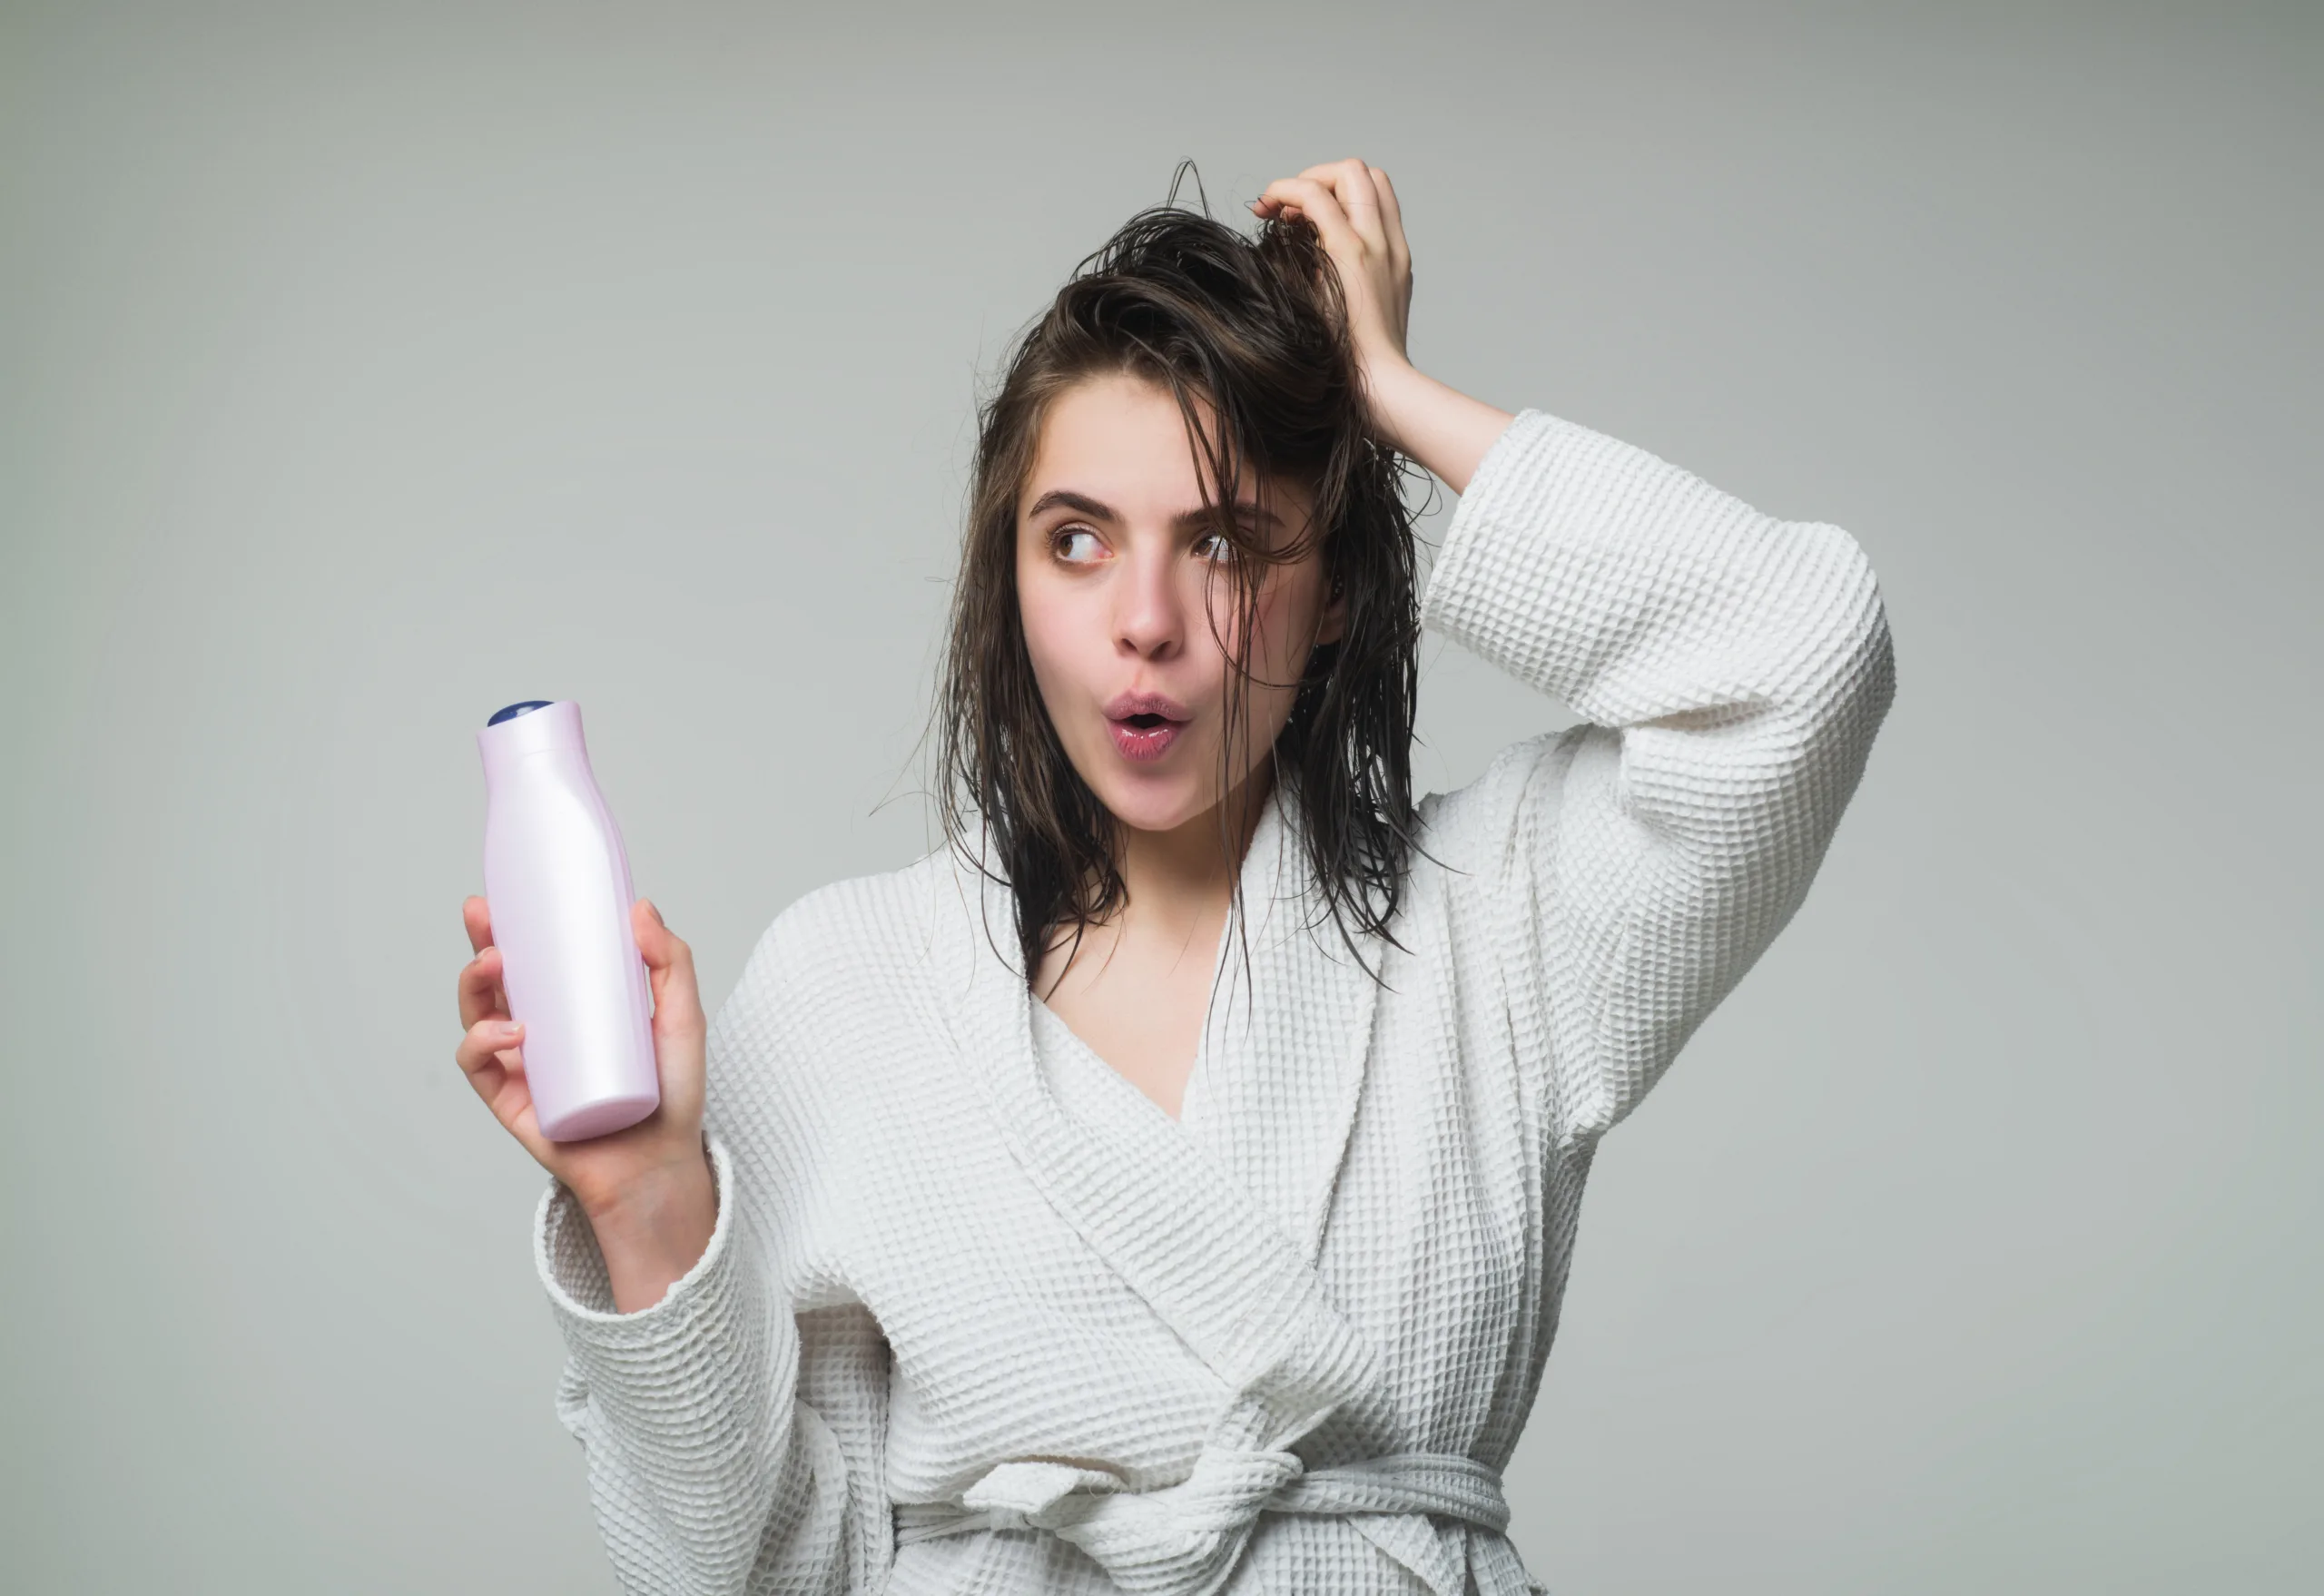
pixel 646 1188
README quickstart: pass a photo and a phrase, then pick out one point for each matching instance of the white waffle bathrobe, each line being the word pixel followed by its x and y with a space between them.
pixel 978 1317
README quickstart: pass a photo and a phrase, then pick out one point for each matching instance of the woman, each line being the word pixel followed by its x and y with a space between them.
pixel 1169 1185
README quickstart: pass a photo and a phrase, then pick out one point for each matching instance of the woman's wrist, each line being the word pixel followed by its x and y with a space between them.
pixel 1445 429
pixel 658 1230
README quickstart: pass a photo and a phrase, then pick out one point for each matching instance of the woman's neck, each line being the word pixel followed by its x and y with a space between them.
pixel 1177 879
pixel 1177 886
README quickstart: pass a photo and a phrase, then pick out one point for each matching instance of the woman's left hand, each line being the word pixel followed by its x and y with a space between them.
pixel 1354 207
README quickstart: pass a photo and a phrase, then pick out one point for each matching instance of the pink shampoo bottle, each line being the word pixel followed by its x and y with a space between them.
pixel 558 881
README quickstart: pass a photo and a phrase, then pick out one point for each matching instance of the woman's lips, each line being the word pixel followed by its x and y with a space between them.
pixel 1144 737
pixel 1146 723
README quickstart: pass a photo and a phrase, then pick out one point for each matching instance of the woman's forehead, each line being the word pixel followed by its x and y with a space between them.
pixel 1122 442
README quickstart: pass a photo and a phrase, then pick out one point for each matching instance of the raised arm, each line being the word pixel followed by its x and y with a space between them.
pixel 1732 669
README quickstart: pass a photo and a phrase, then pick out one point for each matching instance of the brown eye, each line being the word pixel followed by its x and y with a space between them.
pixel 1062 545
pixel 1216 549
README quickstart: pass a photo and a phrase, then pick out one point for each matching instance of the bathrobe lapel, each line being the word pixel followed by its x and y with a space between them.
pixel 1214 1223
pixel 1288 1036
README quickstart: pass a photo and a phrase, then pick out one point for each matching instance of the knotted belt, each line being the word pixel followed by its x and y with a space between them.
pixel 1183 1539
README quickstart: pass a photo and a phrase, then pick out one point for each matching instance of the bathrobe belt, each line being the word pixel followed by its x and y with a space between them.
pixel 1183 1539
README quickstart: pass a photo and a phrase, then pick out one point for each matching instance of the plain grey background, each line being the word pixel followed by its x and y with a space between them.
pixel 367 368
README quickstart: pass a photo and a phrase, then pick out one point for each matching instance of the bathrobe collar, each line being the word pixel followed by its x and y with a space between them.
pixel 1216 1222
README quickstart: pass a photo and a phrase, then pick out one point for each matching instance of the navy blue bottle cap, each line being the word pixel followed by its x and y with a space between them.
pixel 514 710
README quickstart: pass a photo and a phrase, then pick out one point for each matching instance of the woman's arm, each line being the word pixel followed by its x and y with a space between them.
pixel 733 1443
pixel 710 1412
pixel 1732 669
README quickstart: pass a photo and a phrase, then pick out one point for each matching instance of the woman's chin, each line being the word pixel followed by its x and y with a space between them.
pixel 1152 805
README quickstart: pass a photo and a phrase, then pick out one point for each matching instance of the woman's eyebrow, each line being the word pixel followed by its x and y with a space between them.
pixel 1079 503
pixel 1248 510
pixel 1185 521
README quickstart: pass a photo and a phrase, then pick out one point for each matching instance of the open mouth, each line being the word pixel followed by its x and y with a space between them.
pixel 1143 736
pixel 1144 723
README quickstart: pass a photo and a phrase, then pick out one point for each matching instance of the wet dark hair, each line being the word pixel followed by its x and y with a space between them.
pixel 1254 330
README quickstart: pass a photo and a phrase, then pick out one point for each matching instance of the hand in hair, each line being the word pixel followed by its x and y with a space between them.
pixel 1353 207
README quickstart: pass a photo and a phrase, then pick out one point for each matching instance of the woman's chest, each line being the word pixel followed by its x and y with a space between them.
pixel 1136 998
pixel 1062 1270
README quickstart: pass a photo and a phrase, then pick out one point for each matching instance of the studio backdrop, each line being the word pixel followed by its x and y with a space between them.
pixel 367 368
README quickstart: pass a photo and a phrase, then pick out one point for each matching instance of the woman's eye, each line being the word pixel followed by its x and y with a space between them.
pixel 1216 547
pixel 1070 546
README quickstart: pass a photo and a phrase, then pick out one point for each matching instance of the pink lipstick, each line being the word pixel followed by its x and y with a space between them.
pixel 1145 724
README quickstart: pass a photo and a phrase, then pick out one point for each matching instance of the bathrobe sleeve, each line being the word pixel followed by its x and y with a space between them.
pixel 732 1443
pixel 1730 670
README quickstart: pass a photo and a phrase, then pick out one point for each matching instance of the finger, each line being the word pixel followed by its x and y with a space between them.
pixel 487 1050
pixel 1318 203
pixel 1392 216
pixel 496 1070
pixel 477 915
pixel 479 986
pixel 677 1002
pixel 1350 183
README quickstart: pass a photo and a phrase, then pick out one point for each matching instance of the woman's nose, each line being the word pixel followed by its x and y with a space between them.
pixel 1149 613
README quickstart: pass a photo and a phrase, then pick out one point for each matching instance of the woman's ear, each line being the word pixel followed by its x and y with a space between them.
pixel 1333 625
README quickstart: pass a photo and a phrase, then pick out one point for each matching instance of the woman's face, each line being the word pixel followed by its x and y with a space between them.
pixel 1119 580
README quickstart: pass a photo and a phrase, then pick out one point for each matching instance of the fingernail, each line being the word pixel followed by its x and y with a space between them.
pixel 656 914
pixel 508 1028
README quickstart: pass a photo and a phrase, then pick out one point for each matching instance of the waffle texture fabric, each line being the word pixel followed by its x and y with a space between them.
pixel 978 1317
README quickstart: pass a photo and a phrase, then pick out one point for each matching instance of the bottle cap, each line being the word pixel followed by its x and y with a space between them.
pixel 514 710
pixel 534 726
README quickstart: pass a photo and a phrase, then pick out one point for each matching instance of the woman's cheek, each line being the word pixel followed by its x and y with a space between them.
pixel 1054 666
pixel 1275 639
